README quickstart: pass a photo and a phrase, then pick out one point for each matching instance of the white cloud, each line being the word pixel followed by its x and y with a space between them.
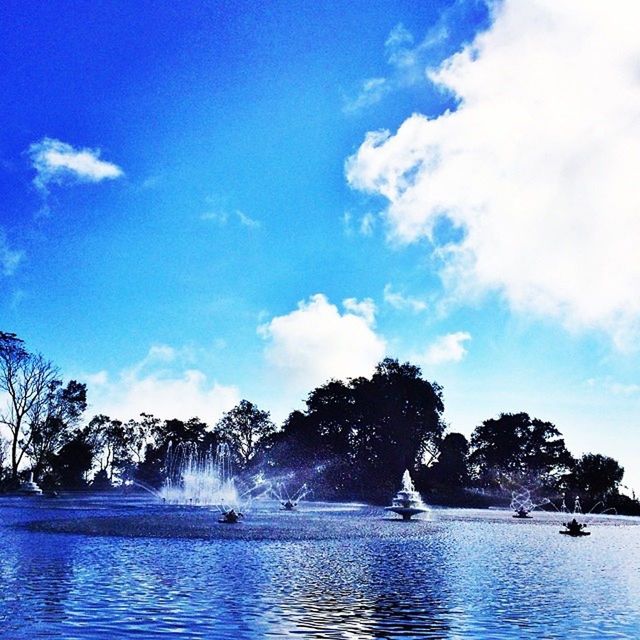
pixel 9 258
pixel 247 221
pixel 537 166
pixel 364 224
pixel 366 309
pixel 222 216
pixel 160 385
pixel 57 162
pixel 315 343
pixel 445 349
pixel 371 92
pixel 399 301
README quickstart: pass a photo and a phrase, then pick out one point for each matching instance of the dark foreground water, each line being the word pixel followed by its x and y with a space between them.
pixel 114 568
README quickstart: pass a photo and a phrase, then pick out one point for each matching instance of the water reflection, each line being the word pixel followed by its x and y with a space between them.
pixel 316 574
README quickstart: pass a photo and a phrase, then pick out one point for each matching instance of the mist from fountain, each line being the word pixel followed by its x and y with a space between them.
pixel 203 479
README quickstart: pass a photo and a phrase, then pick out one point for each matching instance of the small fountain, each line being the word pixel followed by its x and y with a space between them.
pixel 290 501
pixel 522 503
pixel 230 516
pixel 575 529
pixel 30 487
pixel 407 502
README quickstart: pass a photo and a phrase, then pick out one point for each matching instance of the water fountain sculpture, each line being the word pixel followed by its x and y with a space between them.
pixel 30 487
pixel 575 529
pixel 407 502
pixel 289 501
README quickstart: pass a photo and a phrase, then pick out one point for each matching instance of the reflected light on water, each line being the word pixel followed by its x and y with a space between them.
pixel 100 568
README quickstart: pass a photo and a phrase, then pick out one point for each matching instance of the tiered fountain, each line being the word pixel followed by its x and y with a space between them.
pixel 30 487
pixel 407 502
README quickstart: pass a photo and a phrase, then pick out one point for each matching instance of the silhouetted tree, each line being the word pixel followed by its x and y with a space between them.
pixel 451 471
pixel 170 434
pixel 362 434
pixel 596 476
pixel 243 427
pixel 58 415
pixel 516 444
pixel 110 441
pixel 25 378
pixel 72 464
pixel 4 457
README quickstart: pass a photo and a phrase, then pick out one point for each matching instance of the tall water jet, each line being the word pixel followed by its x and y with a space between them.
pixel 195 478
pixel 407 502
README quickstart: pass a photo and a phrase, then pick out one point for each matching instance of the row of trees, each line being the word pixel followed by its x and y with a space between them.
pixel 352 440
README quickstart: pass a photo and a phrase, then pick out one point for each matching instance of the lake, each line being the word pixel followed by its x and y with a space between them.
pixel 109 567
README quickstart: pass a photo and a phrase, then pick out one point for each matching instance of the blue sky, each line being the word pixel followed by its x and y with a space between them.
pixel 206 201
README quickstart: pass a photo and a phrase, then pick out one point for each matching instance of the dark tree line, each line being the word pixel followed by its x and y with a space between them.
pixel 352 440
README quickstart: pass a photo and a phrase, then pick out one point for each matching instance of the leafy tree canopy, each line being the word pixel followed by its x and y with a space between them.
pixel 516 444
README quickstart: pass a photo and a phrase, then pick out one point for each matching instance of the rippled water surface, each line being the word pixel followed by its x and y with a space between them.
pixel 131 568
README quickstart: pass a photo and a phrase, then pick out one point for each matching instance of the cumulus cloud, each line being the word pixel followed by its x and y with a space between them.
pixel 536 167
pixel 9 258
pixel 161 385
pixel 57 162
pixel 315 342
pixel 445 349
pixel 398 300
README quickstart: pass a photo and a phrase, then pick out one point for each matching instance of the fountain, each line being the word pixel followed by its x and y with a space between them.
pixel 407 502
pixel 200 479
pixel 29 487
pixel 290 501
pixel 522 503
pixel 575 529
pixel 230 516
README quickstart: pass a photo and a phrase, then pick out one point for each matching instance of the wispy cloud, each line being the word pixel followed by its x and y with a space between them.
pixel 363 224
pixel 614 387
pixel 536 166
pixel 222 217
pixel 9 258
pixel 247 221
pixel 57 162
pixel 400 301
pixel 406 60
